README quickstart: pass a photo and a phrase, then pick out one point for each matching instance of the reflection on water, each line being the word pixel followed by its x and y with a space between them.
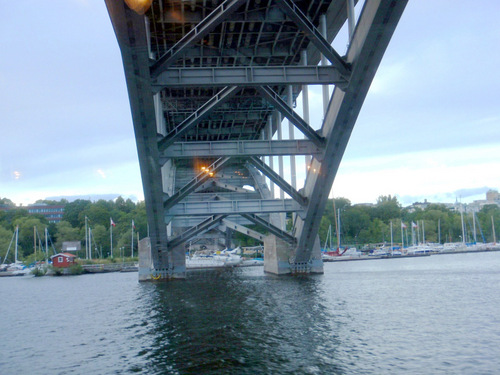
pixel 234 322
pixel 435 314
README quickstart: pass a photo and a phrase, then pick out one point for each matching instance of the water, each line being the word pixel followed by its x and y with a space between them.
pixel 429 315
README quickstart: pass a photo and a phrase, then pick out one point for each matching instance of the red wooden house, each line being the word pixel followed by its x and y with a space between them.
pixel 63 260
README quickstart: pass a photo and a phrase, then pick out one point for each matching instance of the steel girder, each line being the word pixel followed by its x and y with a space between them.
pixel 248 76
pixel 226 207
pixel 373 33
pixel 257 48
pixel 133 41
pixel 182 150
pixel 204 226
pixel 218 15
pixel 273 176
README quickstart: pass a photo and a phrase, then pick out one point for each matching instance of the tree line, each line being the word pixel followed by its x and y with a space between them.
pixel 371 224
pixel 359 225
pixel 72 227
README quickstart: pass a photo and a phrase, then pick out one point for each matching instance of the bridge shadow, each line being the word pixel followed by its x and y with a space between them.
pixel 239 321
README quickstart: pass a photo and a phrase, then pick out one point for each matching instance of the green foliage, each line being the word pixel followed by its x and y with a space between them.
pixel 359 224
pixel 75 269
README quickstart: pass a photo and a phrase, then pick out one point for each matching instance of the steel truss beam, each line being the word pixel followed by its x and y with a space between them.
pixel 251 15
pixel 186 222
pixel 285 236
pixel 202 227
pixel 210 22
pixel 273 176
pixel 248 76
pixel 197 116
pixel 197 181
pixel 230 187
pixel 290 114
pixel 315 36
pixel 132 40
pixel 373 33
pixel 201 197
pixel 244 230
pixel 223 207
pixel 240 148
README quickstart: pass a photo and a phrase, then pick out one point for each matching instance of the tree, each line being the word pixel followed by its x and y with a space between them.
pixel 30 230
pixel 65 232
pixel 387 208
pixel 73 210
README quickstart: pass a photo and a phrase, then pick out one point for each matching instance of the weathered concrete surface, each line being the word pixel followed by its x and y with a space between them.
pixel 147 272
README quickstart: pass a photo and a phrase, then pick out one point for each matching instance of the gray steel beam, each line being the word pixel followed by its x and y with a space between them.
pixel 199 197
pixel 204 226
pixel 248 76
pixel 132 39
pixel 230 187
pixel 315 36
pixel 241 148
pixel 224 207
pixel 187 222
pixel 290 114
pixel 269 172
pixel 243 230
pixel 197 116
pixel 251 15
pixel 373 32
pixel 271 228
pixel 197 181
pixel 210 22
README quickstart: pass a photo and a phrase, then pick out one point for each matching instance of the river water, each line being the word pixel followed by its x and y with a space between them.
pixel 427 315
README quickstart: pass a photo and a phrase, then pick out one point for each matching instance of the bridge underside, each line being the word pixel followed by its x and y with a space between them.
pixel 211 85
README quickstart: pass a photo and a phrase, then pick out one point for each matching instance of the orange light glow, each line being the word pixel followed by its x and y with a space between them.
pixel 139 6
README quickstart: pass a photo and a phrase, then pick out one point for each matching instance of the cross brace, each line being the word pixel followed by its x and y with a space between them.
pixel 241 148
pixel 202 227
pixel 248 76
pixel 210 22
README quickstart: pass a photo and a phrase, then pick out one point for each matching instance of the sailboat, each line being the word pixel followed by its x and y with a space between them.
pixel 17 268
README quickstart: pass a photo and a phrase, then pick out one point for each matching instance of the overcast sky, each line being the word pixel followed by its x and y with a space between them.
pixel 429 127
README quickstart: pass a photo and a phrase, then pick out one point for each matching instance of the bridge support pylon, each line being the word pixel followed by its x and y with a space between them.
pixel 279 258
pixel 175 268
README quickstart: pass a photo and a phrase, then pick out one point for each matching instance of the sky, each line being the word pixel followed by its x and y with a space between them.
pixel 429 127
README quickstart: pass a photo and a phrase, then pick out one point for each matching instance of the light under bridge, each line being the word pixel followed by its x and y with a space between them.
pixel 213 87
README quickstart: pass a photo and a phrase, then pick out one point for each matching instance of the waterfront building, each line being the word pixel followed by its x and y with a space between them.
pixel 63 260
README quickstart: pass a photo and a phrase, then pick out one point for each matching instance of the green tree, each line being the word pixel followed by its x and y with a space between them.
pixel 6 239
pixel 73 210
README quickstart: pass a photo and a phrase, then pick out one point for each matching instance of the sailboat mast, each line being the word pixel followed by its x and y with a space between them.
pixel 439 230
pixel 34 240
pixel 17 239
pixel 336 223
pixel 338 232
pixel 86 240
pixel 493 230
pixel 392 242
pixel 46 247
pixel 474 226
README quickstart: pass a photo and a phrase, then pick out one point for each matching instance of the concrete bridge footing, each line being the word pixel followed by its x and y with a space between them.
pixel 147 270
pixel 279 258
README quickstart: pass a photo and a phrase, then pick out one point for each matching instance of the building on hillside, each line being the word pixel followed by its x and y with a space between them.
pixel 425 204
pixel 53 213
pixel 63 260
pixel 492 197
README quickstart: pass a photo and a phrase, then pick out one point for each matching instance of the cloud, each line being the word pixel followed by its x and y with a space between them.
pixel 101 173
